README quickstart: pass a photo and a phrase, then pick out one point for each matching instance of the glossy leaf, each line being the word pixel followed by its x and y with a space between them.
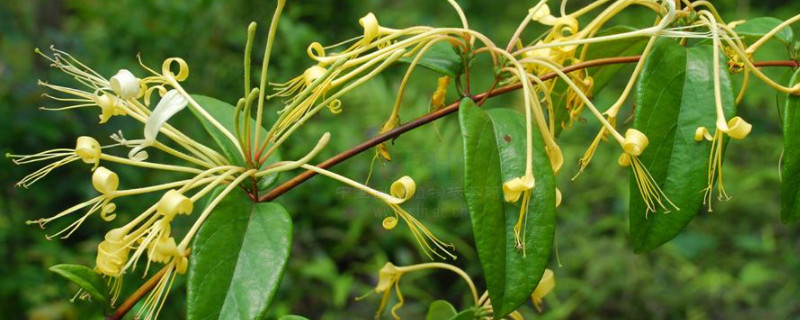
pixel 440 309
pixel 238 258
pixel 790 169
pixel 753 29
pixel 86 278
pixel 468 314
pixel 494 152
pixel 223 112
pixel 442 58
pixel 675 96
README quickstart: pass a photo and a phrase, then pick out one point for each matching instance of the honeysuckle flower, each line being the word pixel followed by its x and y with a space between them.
pixel 545 286
pixel 86 148
pixel 402 190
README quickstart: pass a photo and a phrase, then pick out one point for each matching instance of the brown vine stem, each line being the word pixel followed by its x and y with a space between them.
pixel 125 307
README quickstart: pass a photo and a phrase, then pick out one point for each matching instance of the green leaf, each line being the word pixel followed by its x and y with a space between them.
pixel 601 75
pixel 790 170
pixel 292 317
pixel 86 278
pixel 494 152
pixel 440 57
pixel 238 258
pixel 441 309
pixel 224 114
pixel 754 29
pixel 675 96
pixel 468 314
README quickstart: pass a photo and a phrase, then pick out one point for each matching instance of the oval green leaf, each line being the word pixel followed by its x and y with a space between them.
pixel 238 259
pixel 86 278
pixel 753 29
pixel 675 96
pixel 494 152
pixel 440 57
pixel 440 309
pixel 790 169
pixel 223 112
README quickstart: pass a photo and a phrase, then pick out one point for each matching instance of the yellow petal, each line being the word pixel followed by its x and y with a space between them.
pixel 105 181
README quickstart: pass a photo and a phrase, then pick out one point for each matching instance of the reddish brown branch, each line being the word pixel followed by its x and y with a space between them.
pixel 453 107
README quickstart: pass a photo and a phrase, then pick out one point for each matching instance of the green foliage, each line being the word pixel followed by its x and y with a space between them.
pixel 87 279
pixel 675 90
pixel 442 58
pixel 238 259
pixel 494 149
pixel 790 170
pixel 754 28
pixel 440 309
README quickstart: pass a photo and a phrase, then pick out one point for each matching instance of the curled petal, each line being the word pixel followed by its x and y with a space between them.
pixel 105 181
pixel 106 213
pixel 173 203
pixel 404 188
pixel 335 106
pixel 545 286
pixel 315 50
pixel 541 14
pixel 635 142
pixel 164 249
pixel 170 104
pixel 738 128
pixel 558 197
pixel 512 189
pixel 702 133
pixel 371 26
pixel 389 223
pixel 125 84
pixel 183 69
pixel 112 253
pixel 88 149
pixel 109 106
pixel 624 160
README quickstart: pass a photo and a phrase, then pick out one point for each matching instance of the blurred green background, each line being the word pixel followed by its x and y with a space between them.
pixel 738 262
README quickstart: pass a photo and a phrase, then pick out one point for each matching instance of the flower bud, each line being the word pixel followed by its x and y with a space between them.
pixel 125 84
pixel 635 142
pixel 105 181
pixel 173 203
pixel 88 149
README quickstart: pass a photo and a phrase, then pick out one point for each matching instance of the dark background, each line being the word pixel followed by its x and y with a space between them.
pixel 738 262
